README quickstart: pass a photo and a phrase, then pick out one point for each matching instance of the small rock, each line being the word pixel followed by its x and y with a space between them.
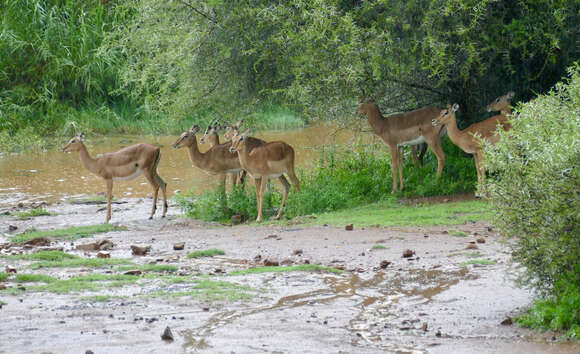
pixel 258 258
pixel 489 228
pixel 140 250
pixel 424 327
pixel 507 322
pixel 206 309
pixel 425 235
pixel 2 287
pixel 10 269
pixel 471 247
pixel 408 253
pixel 298 252
pixel 446 200
pixel 180 246
pixel 167 335
pixel 38 241
pixel 103 254
pixel 349 227
pixel 271 263
pixel 445 232
pixel 438 333
pixel 287 262
pixel 272 236
pixel 480 240
pixel 307 261
pixel 133 272
pixel 218 271
pixel 385 264
pixel 105 245
pixel 12 228
pixel 88 247
pixel 89 352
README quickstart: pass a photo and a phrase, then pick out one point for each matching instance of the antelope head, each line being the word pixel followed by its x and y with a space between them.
pixel 74 144
pixel 212 128
pixel 187 138
pixel 446 115
pixel 238 140
pixel 501 102
pixel 233 129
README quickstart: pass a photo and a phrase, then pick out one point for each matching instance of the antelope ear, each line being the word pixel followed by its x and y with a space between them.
pixel 448 106
pixel 81 136
pixel 196 128
pixel 510 95
pixel 238 124
pixel 455 108
pixel 246 133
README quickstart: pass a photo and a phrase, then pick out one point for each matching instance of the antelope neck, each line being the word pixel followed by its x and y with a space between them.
pixel 86 160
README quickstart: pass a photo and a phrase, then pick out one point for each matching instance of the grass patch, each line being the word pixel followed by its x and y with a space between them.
pixel 206 253
pixel 34 278
pixel 70 233
pixel 378 246
pixel 3 276
pixel 392 213
pixel 210 290
pixel 458 233
pixel 476 261
pixel 558 313
pixel 80 262
pixel 91 282
pixel 23 215
pixel 101 298
pixel 156 268
pixel 298 268
pixel 475 254
pixel 43 256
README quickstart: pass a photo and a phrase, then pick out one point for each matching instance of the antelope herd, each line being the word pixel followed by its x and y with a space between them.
pixel 243 154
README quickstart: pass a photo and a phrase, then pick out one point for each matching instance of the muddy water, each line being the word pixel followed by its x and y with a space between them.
pixel 54 175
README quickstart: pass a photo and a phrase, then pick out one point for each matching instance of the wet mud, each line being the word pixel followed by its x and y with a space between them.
pixel 426 303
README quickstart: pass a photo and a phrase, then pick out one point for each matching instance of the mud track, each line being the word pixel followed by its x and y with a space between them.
pixel 426 303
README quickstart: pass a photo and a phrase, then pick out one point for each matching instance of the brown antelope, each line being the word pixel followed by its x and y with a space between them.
pixel 233 129
pixel 125 164
pixel 217 160
pixel 502 104
pixel 211 136
pixel 470 139
pixel 263 162
pixel 401 129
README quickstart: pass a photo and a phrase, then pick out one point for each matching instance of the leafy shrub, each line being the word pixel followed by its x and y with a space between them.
pixel 535 192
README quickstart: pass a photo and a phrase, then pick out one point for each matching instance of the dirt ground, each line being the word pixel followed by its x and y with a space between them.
pixel 425 303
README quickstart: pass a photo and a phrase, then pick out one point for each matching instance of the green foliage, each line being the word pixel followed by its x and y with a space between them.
pixel 206 253
pixel 560 313
pixel 211 290
pixel 80 262
pixel 34 278
pixel 378 246
pixel 70 233
pixel 535 191
pixel 3 276
pixel 458 233
pixel 476 261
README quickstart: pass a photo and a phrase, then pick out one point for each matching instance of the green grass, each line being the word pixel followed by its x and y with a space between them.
pixel 476 261
pixel 378 246
pixel 3 276
pixel 22 215
pixel 476 254
pixel 458 233
pixel 210 290
pixel 70 233
pixel 34 278
pixel 80 262
pixel 43 256
pixel 206 253
pixel 297 268
pixel 155 268
pixel 83 283
pixel 392 213
pixel 557 313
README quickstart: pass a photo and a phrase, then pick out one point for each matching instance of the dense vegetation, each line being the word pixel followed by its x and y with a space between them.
pixel 536 197
pixel 157 66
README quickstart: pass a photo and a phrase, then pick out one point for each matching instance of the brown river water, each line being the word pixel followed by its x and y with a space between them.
pixel 54 176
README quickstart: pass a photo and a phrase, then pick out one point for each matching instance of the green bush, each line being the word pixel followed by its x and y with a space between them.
pixel 344 178
pixel 535 192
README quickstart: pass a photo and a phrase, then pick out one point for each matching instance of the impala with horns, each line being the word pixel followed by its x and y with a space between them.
pixel 402 129
pixel 263 162
pixel 125 164
pixel 471 138
pixel 218 160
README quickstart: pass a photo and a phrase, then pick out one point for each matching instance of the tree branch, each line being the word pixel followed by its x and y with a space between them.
pixel 198 11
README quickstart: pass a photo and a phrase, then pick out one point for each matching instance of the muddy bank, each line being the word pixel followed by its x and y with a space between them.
pixel 434 301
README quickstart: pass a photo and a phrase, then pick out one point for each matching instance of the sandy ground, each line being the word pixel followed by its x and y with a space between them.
pixel 426 303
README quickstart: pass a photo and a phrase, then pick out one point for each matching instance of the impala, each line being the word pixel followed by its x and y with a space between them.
pixel 470 139
pixel 125 164
pixel 269 160
pixel 217 160
pixel 401 129
pixel 211 136
pixel 502 104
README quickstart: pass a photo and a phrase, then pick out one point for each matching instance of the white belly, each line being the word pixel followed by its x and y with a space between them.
pixel 135 174
pixel 417 141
